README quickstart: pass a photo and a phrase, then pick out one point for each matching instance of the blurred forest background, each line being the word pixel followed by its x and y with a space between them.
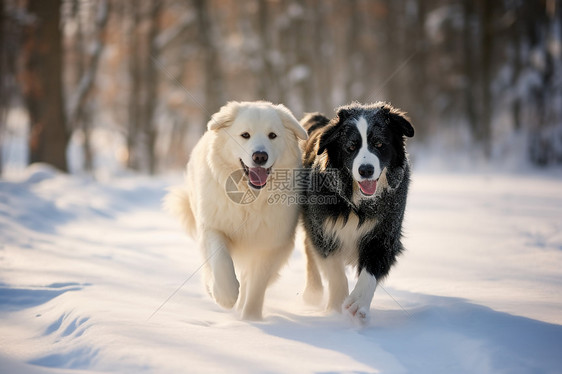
pixel 131 84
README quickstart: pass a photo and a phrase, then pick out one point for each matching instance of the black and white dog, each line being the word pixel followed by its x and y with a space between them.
pixel 355 199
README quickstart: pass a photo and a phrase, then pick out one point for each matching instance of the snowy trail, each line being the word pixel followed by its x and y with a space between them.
pixel 83 265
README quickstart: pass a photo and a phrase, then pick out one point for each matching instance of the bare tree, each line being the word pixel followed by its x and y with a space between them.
pixel 134 69
pixel 3 101
pixel 354 62
pixel 470 78
pixel 79 113
pixel 322 50
pixel 266 72
pixel 213 85
pixel 449 64
pixel 42 84
pixel 484 132
pixel 151 80
pixel 144 49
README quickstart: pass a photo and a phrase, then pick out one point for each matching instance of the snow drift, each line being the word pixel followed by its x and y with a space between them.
pixel 94 277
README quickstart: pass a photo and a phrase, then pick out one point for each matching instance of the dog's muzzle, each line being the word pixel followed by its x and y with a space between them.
pixel 257 176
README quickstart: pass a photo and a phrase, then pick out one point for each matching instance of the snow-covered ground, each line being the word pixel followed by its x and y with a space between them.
pixel 84 265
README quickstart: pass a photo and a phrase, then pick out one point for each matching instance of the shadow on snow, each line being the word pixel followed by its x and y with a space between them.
pixel 440 334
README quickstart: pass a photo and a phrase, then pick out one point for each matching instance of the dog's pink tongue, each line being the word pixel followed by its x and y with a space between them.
pixel 368 187
pixel 258 176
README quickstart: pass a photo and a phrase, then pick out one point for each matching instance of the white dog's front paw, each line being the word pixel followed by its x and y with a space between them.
pixel 355 308
pixel 225 290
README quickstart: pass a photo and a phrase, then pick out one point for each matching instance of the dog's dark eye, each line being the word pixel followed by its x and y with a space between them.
pixel 378 144
pixel 245 135
pixel 352 148
pixel 272 135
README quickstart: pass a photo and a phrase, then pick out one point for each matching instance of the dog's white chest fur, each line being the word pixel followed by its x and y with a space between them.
pixel 348 233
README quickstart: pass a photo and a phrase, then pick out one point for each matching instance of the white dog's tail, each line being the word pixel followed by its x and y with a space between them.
pixel 177 203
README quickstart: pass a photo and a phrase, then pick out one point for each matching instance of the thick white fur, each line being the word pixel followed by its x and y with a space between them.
pixel 244 246
pixel 357 304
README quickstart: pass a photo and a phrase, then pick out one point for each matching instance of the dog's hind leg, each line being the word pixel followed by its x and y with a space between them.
pixel 260 274
pixel 255 287
pixel 313 288
pixel 333 268
pixel 223 284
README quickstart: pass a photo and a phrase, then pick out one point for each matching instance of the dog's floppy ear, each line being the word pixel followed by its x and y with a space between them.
pixel 399 120
pixel 404 124
pixel 343 114
pixel 328 137
pixel 290 122
pixel 332 131
pixel 224 116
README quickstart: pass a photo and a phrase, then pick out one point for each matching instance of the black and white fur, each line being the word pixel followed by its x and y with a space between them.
pixel 358 158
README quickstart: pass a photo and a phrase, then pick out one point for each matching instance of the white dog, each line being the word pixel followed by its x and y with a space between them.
pixel 231 201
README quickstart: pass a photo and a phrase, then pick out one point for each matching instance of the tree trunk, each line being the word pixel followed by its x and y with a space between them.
pixel 213 78
pixel 393 53
pixel 303 83
pixel 517 63
pixel 134 92
pixel 469 71
pixel 266 78
pixel 151 76
pixel 353 52
pixel 418 98
pixel 80 109
pixel 322 64
pixel 484 132
pixel 3 103
pixel 42 85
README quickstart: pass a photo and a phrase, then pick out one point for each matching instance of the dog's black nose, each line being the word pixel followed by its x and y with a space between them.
pixel 260 158
pixel 366 170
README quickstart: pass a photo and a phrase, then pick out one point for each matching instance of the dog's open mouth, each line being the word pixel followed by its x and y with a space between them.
pixel 368 187
pixel 257 176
